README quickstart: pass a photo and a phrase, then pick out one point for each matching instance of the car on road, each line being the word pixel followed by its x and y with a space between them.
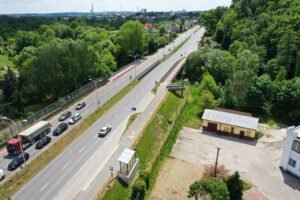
pixel 65 116
pixel 2 174
pixel 80 106
pixel 104 131
pixel 60 129
pixel 74 119
pixel 43 142
pixel 169 49
pixel 17 161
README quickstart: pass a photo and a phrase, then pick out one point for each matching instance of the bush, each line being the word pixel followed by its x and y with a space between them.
pixel 145 175
pixel 138 187
pixel 215 187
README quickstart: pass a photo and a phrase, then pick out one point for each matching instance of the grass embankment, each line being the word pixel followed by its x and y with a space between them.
pixel 154 138
pixel 20 178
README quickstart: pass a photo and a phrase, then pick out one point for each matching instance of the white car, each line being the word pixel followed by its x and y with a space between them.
pixel 74 119
pixel 104 131
pixel 2 174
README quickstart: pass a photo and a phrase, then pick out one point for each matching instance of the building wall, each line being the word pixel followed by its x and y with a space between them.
pixel 227 129
pixel 288 153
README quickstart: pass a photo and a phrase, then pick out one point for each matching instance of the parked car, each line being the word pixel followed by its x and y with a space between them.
pixel 60 129
pixel 80 106
pixel 43 142
pixel 17 161
pixel 2 174
pixel 75 119
pixel 104 131
pixel 169 49
pixel 65 116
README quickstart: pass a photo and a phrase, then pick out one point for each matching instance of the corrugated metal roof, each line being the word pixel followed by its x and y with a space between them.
pixel 230 119
pixel 126 156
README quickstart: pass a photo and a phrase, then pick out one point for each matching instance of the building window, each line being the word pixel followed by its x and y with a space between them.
pixel 296 146
pixel 292 162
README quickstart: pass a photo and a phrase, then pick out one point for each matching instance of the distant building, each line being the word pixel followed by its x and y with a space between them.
pixel 173 28
pixel 291 151
pixel 148 26
pixel 230 122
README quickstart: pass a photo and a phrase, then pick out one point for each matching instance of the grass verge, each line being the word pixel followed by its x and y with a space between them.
pixel 131 120
pixel 20 178
pixel 155 137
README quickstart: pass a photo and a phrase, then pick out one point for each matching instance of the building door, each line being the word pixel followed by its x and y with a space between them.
pixel 232 130
pixel 212 127
pixel 242 134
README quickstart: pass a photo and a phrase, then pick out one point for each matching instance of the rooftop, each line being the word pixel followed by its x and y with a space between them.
pixel 231 119
pixel 126 156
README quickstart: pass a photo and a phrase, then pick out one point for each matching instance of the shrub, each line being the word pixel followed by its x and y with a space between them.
pixel 138 187
pixel 145 175
pixel 215 187
pixel 209 171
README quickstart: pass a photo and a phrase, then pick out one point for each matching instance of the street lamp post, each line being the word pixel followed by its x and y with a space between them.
pixel 18 135
pixel 135 56
pixel 95 86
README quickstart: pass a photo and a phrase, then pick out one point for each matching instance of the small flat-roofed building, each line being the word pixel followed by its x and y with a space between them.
pixel 290 160
pixel 129 165
pixel 230 122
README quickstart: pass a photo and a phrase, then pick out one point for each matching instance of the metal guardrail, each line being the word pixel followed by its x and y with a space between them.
pixel 170 71
pixel 149 69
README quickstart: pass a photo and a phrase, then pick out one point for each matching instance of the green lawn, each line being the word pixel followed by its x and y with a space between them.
pixel 246 186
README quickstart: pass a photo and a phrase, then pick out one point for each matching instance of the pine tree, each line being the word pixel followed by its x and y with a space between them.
pixel 235 187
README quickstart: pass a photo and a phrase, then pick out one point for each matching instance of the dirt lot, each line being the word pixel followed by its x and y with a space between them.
pixel 174 180
pixel 257 163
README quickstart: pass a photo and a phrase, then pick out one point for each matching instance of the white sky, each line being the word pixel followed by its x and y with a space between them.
pixel 51 6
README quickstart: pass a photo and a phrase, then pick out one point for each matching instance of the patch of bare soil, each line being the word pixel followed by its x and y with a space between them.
pixel 174 180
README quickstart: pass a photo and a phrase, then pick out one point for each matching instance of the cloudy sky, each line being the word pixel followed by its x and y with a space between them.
pixel 49 6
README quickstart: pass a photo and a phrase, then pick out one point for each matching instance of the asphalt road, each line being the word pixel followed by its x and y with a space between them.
pixel 117 83
pixel 57 180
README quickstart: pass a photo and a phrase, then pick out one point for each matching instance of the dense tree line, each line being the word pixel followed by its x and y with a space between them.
pixel 253 53
pixel 53 58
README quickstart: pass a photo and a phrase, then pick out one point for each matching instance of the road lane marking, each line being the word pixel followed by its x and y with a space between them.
pixel 81 149
pixel 44 186
pixel 66 165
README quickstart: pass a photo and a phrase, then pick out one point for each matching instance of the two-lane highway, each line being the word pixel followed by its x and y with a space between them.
pixel 74 169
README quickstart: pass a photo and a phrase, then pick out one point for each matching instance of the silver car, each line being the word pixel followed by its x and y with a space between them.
pixel 104 131
pixel 74 119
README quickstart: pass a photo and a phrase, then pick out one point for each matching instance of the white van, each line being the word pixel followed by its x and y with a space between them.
pixel 2 174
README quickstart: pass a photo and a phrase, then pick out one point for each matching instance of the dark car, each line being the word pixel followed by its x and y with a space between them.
pixel 17 161
pixel 80 106
pixel 104 131
pixel 43 142
pixel 65 116
pixel 60 129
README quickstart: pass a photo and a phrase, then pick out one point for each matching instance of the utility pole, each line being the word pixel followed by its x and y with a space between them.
pixel 216 164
